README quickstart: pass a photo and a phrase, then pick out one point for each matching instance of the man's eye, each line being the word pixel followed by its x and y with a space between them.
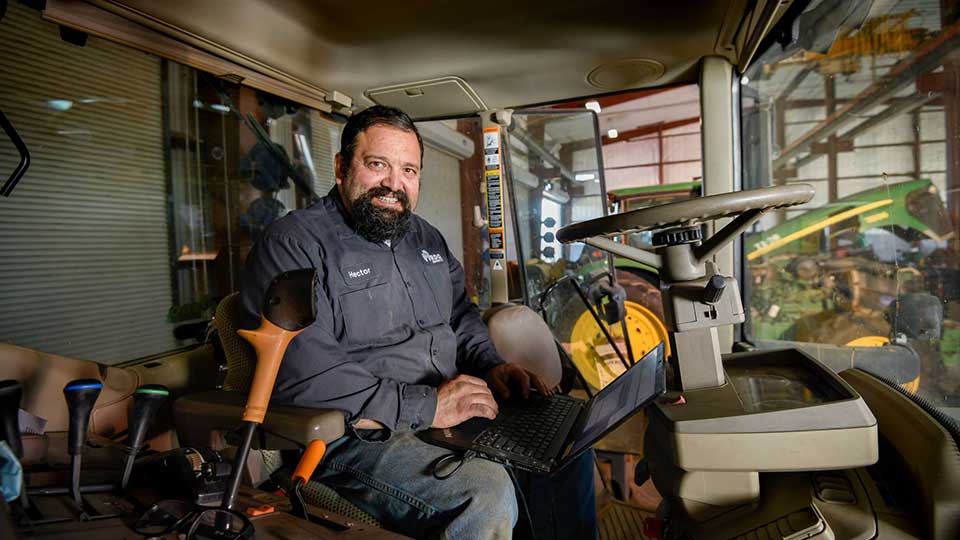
pixel 376 164
pixel 411 171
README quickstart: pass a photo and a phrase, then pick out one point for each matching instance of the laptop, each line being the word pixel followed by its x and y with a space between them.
pixel 544 433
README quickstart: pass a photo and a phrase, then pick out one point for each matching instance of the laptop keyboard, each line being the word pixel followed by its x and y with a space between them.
pixel 531 430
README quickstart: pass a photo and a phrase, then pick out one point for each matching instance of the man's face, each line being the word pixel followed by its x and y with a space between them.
pixel 383 183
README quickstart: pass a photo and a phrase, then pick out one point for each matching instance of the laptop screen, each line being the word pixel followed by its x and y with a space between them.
pixel 619 399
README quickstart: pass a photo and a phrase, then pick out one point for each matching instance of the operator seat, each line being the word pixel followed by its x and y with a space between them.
pixel 518 333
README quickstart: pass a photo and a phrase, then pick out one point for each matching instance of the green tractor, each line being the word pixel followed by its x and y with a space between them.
pixel 841 274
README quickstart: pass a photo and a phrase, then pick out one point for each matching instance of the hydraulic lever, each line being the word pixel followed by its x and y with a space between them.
pixel 302 474
pixel 147 400
pixel 81 395
pixel 289 306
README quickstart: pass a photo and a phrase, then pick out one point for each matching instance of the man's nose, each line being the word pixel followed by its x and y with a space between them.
pixel 391 180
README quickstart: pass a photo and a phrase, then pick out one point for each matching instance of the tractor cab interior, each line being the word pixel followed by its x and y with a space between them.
pixel 769 189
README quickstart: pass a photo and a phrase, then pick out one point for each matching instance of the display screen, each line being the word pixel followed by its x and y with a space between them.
pixel 619 399
pixel 764 388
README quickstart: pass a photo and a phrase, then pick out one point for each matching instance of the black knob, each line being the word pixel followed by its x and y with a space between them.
pixel 81 395
pixel 10 395
pixel 714 290
pixel 146 402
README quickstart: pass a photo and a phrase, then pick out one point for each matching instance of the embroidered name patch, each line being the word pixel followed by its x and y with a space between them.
pixel 433 258
pixel 358 273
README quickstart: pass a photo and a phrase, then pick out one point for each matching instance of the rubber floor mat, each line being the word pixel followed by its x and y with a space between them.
pixel 622 521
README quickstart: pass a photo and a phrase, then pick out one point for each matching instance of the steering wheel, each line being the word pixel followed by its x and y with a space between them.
pixel 748 205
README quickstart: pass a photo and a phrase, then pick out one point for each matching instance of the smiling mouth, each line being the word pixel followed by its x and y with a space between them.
pixel 388 200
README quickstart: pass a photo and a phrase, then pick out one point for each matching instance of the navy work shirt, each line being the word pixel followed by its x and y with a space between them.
pixel 393 321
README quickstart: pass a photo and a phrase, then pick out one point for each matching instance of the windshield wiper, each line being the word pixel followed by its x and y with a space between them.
pixel 24 164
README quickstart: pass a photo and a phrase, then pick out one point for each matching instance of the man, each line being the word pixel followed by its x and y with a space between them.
pixel 397 345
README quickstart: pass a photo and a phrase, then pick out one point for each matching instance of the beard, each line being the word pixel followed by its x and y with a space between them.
pixel 380 224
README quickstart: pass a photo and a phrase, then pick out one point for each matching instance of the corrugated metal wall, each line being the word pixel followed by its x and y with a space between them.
pixel 84 262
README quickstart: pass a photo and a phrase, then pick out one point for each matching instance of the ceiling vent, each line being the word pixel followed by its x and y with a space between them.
pixel 433 98
pixel 626 73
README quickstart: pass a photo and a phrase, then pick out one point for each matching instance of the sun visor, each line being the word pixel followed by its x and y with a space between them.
pixel 432 98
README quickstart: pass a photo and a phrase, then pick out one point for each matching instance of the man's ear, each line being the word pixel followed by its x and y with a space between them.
pixel 338 168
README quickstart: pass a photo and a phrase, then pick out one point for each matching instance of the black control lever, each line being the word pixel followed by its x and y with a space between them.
pixel 81 395
pixel 146 402
pixel 713 289
pixel 10 395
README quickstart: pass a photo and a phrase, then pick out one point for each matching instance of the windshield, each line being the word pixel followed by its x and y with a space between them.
pixel 556 179
pixel 861 109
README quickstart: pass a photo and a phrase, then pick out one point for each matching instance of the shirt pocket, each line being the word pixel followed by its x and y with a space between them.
pixel 371 317
pixel 438 281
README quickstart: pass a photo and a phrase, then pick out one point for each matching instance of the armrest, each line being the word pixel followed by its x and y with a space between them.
pixel 197 416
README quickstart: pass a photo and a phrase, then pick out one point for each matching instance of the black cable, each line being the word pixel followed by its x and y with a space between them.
pixel 523 500
pixel 449 458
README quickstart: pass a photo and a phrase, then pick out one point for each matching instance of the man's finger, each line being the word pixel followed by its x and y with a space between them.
pixel 485 398
pixel 499 387
pixel 523 379
pixel 538 384
pixel 479 409
pixel 471 380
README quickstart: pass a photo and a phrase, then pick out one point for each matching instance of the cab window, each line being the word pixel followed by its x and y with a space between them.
pixel 146 191
pixel 862 114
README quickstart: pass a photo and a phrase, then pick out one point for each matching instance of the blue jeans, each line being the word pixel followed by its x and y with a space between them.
pixel 393 482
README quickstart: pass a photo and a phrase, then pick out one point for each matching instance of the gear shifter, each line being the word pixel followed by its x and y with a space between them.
pixel 146 402
pixel 10 395
pixel 81 395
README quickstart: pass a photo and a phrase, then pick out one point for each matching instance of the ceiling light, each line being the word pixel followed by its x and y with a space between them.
pixel 59 104
pixel 219 107
pixel 744 80
pixel 593 105
pixel 548 187
pixel 612 134
pixel 583 177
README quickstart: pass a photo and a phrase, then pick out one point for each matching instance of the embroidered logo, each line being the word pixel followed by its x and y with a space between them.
pixel 433 258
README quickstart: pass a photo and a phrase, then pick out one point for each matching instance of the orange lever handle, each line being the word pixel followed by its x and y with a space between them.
pixel 308 463
pixel 270 342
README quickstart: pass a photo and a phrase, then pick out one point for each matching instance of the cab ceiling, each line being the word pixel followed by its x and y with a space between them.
pixel 511 53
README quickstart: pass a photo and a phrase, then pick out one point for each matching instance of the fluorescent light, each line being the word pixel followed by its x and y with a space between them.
pixel 583 177
pixel 59 104
pixel 593 105
pixel 219 107
pixel 612 134
pixel 744 80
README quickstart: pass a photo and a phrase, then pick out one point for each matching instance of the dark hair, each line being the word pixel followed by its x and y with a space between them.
pixel 378 115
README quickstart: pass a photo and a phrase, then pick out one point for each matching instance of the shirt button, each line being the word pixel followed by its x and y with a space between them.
pixel 423 393
pixel 414 425
pixel 420 322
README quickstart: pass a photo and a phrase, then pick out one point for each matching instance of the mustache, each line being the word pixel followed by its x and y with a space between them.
pixel 383 191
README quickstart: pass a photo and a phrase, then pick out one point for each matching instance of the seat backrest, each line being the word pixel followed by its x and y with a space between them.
pixel 523 338
pixel 241 358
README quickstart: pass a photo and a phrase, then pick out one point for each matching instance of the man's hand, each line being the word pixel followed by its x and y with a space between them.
pixel 461 399
pixel 503 377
